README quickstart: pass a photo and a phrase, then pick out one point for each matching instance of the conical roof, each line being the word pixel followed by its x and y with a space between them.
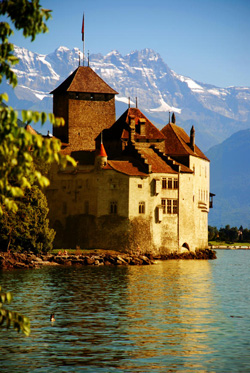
pixel 84 79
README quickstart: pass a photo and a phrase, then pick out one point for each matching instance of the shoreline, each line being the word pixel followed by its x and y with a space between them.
pixel 229 247
pixel 9 260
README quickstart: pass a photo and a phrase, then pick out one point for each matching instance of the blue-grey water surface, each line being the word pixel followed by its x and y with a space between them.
pixel 175 316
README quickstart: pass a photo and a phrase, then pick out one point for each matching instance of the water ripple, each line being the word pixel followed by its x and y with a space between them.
pixel 176 316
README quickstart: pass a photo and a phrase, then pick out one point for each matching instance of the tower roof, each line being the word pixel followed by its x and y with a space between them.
pixel 84 79
pixel 102 152
pixel 178 142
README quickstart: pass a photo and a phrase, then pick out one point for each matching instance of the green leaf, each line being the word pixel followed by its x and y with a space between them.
pixel 4 96
pixel 43 117
pixel 52 118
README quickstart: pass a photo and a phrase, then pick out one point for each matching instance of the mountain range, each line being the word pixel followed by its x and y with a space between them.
pixel 221 116
pixel 216 113
pixel 230 181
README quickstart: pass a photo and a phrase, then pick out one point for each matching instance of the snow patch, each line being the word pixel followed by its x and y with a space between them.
pixel 124 99
pixel 164 107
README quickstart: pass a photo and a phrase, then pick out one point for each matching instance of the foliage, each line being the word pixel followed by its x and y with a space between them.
pixel 27 229
pixel 10 318
pixel 212 233
pixel 18 147
pixel 229 234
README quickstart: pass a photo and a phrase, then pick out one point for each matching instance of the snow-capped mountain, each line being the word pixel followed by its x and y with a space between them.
pixel 215 112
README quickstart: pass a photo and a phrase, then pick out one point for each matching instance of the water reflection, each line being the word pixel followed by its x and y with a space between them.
pixel 162 318
pixel 170 309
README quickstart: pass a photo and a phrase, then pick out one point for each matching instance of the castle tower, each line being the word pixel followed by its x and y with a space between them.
pixel 87 105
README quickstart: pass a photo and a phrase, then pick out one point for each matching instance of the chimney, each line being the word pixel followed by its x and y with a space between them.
pixel 192 138
pixel 132 128
pixel 142 123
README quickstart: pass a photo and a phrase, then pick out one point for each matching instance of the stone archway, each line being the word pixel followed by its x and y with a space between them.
pixel 186 246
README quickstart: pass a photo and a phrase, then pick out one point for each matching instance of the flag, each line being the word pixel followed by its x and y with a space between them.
pixel 83 27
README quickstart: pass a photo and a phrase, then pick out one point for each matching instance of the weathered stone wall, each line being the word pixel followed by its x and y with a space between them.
pixel 194 204
pixel 60 109
pixel 80 211
pixel 187 211
pixel 87 119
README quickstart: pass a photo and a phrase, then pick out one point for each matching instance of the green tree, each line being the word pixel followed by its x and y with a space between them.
pixel 212 233
pixel 18 148
pixel 27 229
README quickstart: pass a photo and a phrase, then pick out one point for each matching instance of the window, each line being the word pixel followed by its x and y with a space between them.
pixel 172 207
pixel 170 183
pixel 139 185
pixel 175 208
pixel 141 207
pixel 113 207
pixel 169 206
pixel 164 183
pixel 175 183
pixel 163 204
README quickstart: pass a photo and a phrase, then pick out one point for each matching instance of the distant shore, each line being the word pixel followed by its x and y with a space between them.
pixel 229 247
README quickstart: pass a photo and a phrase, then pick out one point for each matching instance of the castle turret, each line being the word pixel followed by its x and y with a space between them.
pixel 101 158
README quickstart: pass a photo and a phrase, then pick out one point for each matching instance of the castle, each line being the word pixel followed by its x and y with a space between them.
pixel 135 187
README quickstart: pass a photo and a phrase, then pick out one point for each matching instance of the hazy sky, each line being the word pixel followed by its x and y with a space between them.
pixel 207 40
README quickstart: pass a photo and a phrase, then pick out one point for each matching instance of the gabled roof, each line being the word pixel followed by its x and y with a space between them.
pixel 84 79
pixel 178 142
pixel 120 129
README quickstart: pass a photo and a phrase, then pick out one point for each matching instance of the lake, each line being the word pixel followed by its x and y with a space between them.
pixel 174 316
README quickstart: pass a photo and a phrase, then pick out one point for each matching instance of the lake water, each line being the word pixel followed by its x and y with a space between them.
pixel 175 316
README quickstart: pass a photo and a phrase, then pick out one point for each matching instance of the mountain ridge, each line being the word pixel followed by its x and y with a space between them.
pixel 230 181
pixel 216 112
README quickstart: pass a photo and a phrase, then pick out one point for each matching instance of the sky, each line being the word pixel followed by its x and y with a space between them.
pixel 207 40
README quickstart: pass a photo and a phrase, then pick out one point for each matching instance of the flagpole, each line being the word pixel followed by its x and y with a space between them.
pixel 83 37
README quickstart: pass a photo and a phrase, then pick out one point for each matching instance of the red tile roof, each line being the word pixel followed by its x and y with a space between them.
pixel 178 142
pixel 30 129
pixel 84 79
pixel 157 163
pixel 126 168
pixel 120 129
